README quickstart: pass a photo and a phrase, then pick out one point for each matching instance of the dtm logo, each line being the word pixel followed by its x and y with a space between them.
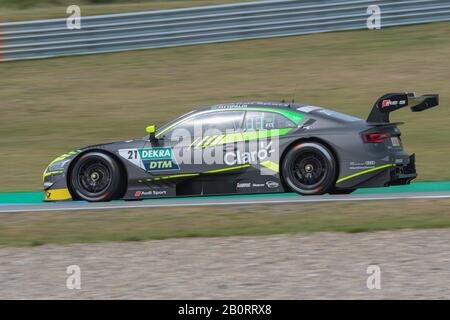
pixel 155 159
pixel 152 159
pixel 238 157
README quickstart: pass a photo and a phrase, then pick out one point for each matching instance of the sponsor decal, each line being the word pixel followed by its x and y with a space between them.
pixel 159 192
pixel 230 106
pixel 258 185
pixel 239 157
pixel 151 159
pixel 243 185
pixel 139 194
pixel 395 142
pixel 369 164
pixel 155 159
pixel 268 184
pixel 387 103
pixel 272 184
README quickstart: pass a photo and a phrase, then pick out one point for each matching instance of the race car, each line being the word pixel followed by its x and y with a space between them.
pixel 245 148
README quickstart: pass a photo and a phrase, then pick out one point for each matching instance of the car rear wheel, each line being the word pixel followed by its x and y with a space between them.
pixel 96 176
pixel 309 169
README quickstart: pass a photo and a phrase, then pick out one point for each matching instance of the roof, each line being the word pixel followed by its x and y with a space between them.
pixel 250 105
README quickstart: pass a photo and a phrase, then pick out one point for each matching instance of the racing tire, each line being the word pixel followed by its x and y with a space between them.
pixel 309 169
pixel 342 191
pixel 96 177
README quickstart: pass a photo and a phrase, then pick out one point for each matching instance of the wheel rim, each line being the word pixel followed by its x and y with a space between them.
pixel 309 169
pixel 94 177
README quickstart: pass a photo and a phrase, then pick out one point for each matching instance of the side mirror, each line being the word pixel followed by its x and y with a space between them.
pixel 151 134
pixel 150 129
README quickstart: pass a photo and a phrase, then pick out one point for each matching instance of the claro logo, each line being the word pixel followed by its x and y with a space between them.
pixel 238 157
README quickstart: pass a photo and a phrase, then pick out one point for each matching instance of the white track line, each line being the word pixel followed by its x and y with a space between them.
pixel 206 202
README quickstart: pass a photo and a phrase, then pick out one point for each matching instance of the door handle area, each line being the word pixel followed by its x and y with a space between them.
pixel 230 147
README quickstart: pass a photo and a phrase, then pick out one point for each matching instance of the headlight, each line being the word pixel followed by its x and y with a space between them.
pixel 57 166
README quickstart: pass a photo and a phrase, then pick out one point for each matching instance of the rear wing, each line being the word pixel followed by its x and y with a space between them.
pixel 394 101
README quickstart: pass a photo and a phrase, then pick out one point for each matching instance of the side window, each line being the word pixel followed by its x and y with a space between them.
pixel 257 120
pixel 210 122
pixel 223 121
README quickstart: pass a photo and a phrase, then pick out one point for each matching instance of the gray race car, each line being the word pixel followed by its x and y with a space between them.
pixel 243 148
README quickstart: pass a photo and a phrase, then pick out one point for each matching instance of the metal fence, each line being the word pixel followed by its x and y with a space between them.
pixel 208 24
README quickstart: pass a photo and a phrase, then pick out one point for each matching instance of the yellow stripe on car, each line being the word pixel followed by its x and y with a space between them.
pixel 228 169
pixel 208 140
pixel 57 195
pixel 364 172
pixel 271 165
pixel 217 141
pixel 195 141
pixel 46 174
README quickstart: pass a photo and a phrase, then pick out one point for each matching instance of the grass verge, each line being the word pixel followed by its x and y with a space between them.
pixel 30 229
pixel 49 107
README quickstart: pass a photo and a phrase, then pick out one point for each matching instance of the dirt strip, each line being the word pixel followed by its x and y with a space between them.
pixel 414 264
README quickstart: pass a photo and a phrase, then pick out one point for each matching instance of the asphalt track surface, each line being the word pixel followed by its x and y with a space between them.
pixel 32 201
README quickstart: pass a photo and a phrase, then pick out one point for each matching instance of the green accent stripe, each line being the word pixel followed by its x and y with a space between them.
pixel 364 172
pixel 437 186
pixel 208 140
pixel 228 169
pixel 195 141
pixel 271 165
pixel 217 141
pixel 241 136
pixel 292 115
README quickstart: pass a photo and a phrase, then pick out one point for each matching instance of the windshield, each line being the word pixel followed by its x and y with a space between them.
pixel 170 123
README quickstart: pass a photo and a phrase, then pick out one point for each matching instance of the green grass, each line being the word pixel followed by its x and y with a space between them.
pixel 18 10
pixel 30 229
pixel 49 107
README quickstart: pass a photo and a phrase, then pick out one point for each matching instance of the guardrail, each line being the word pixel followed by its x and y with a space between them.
pixel 207 24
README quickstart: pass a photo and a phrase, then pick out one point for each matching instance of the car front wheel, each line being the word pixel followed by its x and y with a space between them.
pixel 95 177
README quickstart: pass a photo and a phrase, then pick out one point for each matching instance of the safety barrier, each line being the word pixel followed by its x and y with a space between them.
pixel 207 24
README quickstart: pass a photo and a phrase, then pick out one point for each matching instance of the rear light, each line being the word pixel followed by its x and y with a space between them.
pixel 375 137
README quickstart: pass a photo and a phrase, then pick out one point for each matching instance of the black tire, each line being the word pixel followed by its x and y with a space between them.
pixel 96 177
pixel 342 191
pixel 309 169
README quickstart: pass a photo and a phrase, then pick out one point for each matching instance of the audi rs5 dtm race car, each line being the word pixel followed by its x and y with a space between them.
pixel 244 148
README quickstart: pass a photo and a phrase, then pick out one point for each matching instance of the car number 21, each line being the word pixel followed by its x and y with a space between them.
pixel 132 154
